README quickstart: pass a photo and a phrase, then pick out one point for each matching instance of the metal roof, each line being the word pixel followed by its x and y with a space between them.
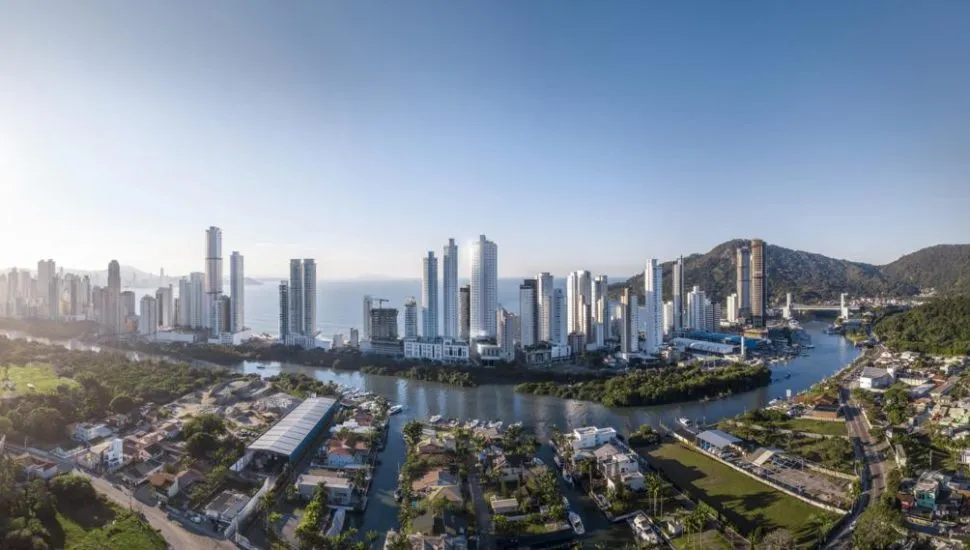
pixel 873 372
pixel 704 346
pixel 293 429
pixel 718 438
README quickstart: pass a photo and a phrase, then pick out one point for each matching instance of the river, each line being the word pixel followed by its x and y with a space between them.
pixel 424 399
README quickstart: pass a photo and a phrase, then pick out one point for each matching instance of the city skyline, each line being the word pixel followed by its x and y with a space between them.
pixel 673 109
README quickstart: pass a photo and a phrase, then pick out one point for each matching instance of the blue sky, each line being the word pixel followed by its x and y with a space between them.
pixel 574 134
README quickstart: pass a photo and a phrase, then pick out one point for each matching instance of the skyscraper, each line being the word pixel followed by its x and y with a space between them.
pixel 668 317
pixel 302 302
pixel 237 289
pixel 148 316
pixel 483 299
pixel 296 297
pixel 449 288
pixel 732 308
pixel 601 309
pixel 696 309
pixel 213 277
pixel 558 317
pixel 309 298
pixel 544 299
pixel 164 302
pixel 742 265
pixel 284 311
pixel 367 305
pixel 578 295
pixel 528 312
pixel 429 296
pixel 197 309
pixel 112 299
pixel 464 312
pixel 410 317
pixel 678 300
pixel 759 283
pixel 652 298
pixel 629 333
pixel 507 331
pixel 45 272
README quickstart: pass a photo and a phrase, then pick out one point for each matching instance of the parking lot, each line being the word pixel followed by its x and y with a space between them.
pixel 791 474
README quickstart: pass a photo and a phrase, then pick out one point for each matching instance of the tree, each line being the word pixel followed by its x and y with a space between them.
pixel 45 424
pixel 204 423
pixel 122 404
pixel 779 539
pixel 877 528
pixel 73 491
pixel 413 431
pixel 200 444
pixel 6 426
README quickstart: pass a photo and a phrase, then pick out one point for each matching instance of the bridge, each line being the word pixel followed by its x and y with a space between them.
pixel 843 308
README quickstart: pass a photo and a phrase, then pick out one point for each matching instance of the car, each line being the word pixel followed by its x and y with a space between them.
pixel 196 519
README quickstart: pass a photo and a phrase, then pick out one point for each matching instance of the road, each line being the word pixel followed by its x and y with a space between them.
pixel 482 515
pixel 175 534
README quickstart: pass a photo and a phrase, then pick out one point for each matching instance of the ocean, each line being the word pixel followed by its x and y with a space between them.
pixel 339 303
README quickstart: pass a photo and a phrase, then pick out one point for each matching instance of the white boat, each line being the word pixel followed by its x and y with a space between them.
pixel 577 523
pixel 395 409
pixel 435 419
pixel 473 424
pixel 565 502
pixel 685 422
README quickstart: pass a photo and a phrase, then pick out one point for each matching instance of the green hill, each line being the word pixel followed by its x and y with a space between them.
pixel 944 267
pixel 941 326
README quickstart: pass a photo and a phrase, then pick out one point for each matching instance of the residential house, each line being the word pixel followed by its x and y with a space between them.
pixel 435 446
pixel 111 454
pixel 508 467
pixel 590 436
pixel 927 491
pixel 432 481
pixel 504 506
pixel 170 430
pixel 873 378
pixel 165 486
pixel 36 467
pixel 151 452
pixel 635 481
pixel 86 432
pixel 226 506
pixel 187 478
pixel 339 488
pixel 347 453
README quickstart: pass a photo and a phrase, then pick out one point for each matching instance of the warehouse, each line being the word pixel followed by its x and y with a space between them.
pixel 702 347
pixel 289 438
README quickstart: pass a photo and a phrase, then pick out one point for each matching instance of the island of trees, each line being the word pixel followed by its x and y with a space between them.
pixel 658 386
pixel 939 327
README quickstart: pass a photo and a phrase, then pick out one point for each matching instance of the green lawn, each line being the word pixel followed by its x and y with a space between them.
pixel 105 528
pixel 742 500
pixel 42 376
pixel 708 540
pixel 817 426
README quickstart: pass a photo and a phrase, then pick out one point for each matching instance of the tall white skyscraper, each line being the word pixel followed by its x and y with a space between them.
pixel 45 272
pixel 697 309
pixel 185 304
pixel 237 289
pixel 578 296
pixel 165 303
pixel 284 311
pixel 483 299
pixel 429 296
pixel 544 291
pixel 528 312
pixel 507 331
pixel 678 299
pixel 197 300
pixel 309 298
pixel 410 317
pixel 558 317
pixel 653 302
pixel 449 288
pixel 367 305
pixel 732 308
pixel 148 316
pixel 668 317
pixel 296 297
pixel 629 331
pixel 213 277
pixel 601 309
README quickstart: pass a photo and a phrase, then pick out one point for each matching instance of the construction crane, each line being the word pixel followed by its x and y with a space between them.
pixel 380 302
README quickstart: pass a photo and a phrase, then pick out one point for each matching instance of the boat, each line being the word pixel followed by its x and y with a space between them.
pixel 685 422
pixel 260 366
pixel 565 502
pixel 557 461
pixel 577 523
pixel 397 495
pixel 395 409
pixel 567 478
pixel 435 419
pixel 473 424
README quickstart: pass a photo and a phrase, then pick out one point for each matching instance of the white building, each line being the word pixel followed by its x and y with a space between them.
pixel 590 437
pixel 237 289
pixel 629 332
pixel 579 292
pixel 544 300
pixel 85 432
pixel 508 330
pixel 365 325
pixel 668 318
pixel 601 307
pixel 196 300
pixel 166 306
pixel 732 308
pixel 653 302
pixel 410 317
pixel 678 292
pixel 696 309
pixel 483 299
pixel 445 350
pixel 213 278
pixel 302 302
pixel 873 378
pixel 449 289
pixel 429 296
pixel 148 316
pixel 528 313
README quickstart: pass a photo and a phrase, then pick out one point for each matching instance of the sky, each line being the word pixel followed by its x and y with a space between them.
pixel 576 135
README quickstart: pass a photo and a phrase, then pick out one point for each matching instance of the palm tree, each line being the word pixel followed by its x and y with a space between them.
pixel 586 467
pixel 371 537
pixel 654 487
pixel 266 506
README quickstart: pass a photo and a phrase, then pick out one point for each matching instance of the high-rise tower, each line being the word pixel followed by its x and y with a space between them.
pixel 483 289
pixel 653 302
pixel 464 312
pixel 678 299
pixel 237 289
pixel 528 312
pixel 742 265
pixel 296 297
pixel 449 289
pixel 309 298
pixel 544 299
pixel 429 296
pixel 410 317
pixel 213 278
pixel 759 283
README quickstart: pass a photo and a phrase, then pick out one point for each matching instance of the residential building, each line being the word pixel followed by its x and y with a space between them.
pixel 284 311
pixel 464 312
pixel 148 318
pixel 759 283
pixel 166 307
pixel 483 291
pixel 590 437
pixel 732 308
pixel 653 302
pixel 237 292
pixel 309 298
pixel 128 306
pixel 629 333
pixel 295 305
pixel 668 318
pixel 111 309
pixel 445 350
pixel 213 278
pixel 85 432
pixel 578 295
pixel 410 317
pixel 196 305
pixel 429 296
pixel 449 289
pixel 302 306
pixel 544 301
pixel 508 330
pixel 558 318
pixel 339 488
pixel 600 316
pixel 696 309
pixel 678 292
pixel 742 265
pixel 383 324
pixel 46 271
pixel 529 312
pixel 875 378
pixel 365 325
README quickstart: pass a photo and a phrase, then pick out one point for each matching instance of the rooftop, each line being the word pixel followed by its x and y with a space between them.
pixel 227 505
pixel 332 480
pixel 873 372
pixel 718 438
pixel 287 435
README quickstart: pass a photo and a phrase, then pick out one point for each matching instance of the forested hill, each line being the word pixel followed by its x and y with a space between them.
pixel 941 326
pixel 816 278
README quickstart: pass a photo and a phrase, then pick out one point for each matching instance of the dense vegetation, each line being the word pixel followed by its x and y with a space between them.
pixel 941 326
pixel 657 386
pixel 427 373
pixel 944 267
pixel 301 385
pixel 65 512
pixel 810 277
pixel 54 330
pixel 106 382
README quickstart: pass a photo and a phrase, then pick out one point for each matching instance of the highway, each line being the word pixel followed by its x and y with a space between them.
pixel 176 535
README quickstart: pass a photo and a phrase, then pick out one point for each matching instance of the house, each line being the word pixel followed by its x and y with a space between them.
pixel 432 446
pixel 170 430
pixel 451 493
pixel 151 452
pixel 873 378
pixel 619 464
pixel 349 452
pixel 226 506
pixel 927 492
pixel 36 467
pixel 591 436
pixel 509 468
pixel 717 442
pixel 339 488
pixel 85 432
pixel 187 478
pixel 165 486
pixel 632 480
pixel 432 480
pixel 111 454
pixel 138 473
pixel 504 506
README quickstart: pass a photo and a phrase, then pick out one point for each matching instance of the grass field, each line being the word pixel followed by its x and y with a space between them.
pixel 104 527
pixel 708 540
pixel 817 426
pixel 744 501
pixel 42 376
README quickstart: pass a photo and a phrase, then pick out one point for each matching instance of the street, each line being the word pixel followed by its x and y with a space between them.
pixel 482 513
pixel 175 534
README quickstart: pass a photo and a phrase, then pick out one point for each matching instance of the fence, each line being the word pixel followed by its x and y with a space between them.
pixel 248 509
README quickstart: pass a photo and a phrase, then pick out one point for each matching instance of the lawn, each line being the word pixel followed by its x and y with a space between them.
pixel 42 376
pixel 708 540
pixel 105 527
pixel 742 500
pixel 817 426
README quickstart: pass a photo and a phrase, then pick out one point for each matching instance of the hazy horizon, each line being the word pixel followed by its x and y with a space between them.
pixel 589 135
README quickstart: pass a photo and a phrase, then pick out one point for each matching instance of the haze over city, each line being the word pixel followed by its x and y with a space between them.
pixel 365 134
